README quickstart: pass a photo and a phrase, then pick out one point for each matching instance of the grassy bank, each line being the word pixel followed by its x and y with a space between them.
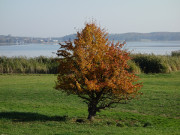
pixel 30 105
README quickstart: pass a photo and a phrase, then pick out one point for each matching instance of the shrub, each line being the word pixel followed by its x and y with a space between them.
pixel 133 67
pixel 175 53
pixel 150 63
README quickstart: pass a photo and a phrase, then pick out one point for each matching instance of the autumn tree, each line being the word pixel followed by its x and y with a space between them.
pixel 95 70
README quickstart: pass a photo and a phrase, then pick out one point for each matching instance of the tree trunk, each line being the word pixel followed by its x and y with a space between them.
pixel 92 112
pixel 91 116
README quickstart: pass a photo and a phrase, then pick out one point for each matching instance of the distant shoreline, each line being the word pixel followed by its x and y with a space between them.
pixel 52 43
pixel 128 37
pixel 11 44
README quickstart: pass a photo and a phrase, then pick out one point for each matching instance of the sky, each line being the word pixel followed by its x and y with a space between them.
pixel 56 18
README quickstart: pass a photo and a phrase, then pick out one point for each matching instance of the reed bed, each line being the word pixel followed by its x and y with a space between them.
pixel 140 63
pixel 43 65
pixel 150 63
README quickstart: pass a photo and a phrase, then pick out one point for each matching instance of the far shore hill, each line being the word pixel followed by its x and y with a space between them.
pixel 153 36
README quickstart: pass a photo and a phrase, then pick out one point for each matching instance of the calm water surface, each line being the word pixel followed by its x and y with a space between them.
pixel 34 50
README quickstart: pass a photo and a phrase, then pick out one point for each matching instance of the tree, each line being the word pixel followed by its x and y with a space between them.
pixel 95 70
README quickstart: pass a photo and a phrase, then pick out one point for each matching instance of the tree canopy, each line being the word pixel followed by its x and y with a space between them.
pixel 95 69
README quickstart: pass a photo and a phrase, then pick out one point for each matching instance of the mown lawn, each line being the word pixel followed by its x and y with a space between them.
pixel 29 105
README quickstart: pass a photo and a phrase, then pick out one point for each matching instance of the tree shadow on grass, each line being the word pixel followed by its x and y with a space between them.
pixel 28 117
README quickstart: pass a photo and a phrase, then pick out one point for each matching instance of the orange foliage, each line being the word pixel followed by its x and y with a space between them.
pixel 95 69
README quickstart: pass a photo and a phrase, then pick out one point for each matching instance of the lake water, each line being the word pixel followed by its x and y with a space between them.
pixel 34 50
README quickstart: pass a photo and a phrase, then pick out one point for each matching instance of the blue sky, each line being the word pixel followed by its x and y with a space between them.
pixel 55 18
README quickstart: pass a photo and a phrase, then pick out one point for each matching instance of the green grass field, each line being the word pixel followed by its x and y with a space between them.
pixel 29 105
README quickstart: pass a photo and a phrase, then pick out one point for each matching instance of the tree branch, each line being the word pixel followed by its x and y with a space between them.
pixel 83 97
